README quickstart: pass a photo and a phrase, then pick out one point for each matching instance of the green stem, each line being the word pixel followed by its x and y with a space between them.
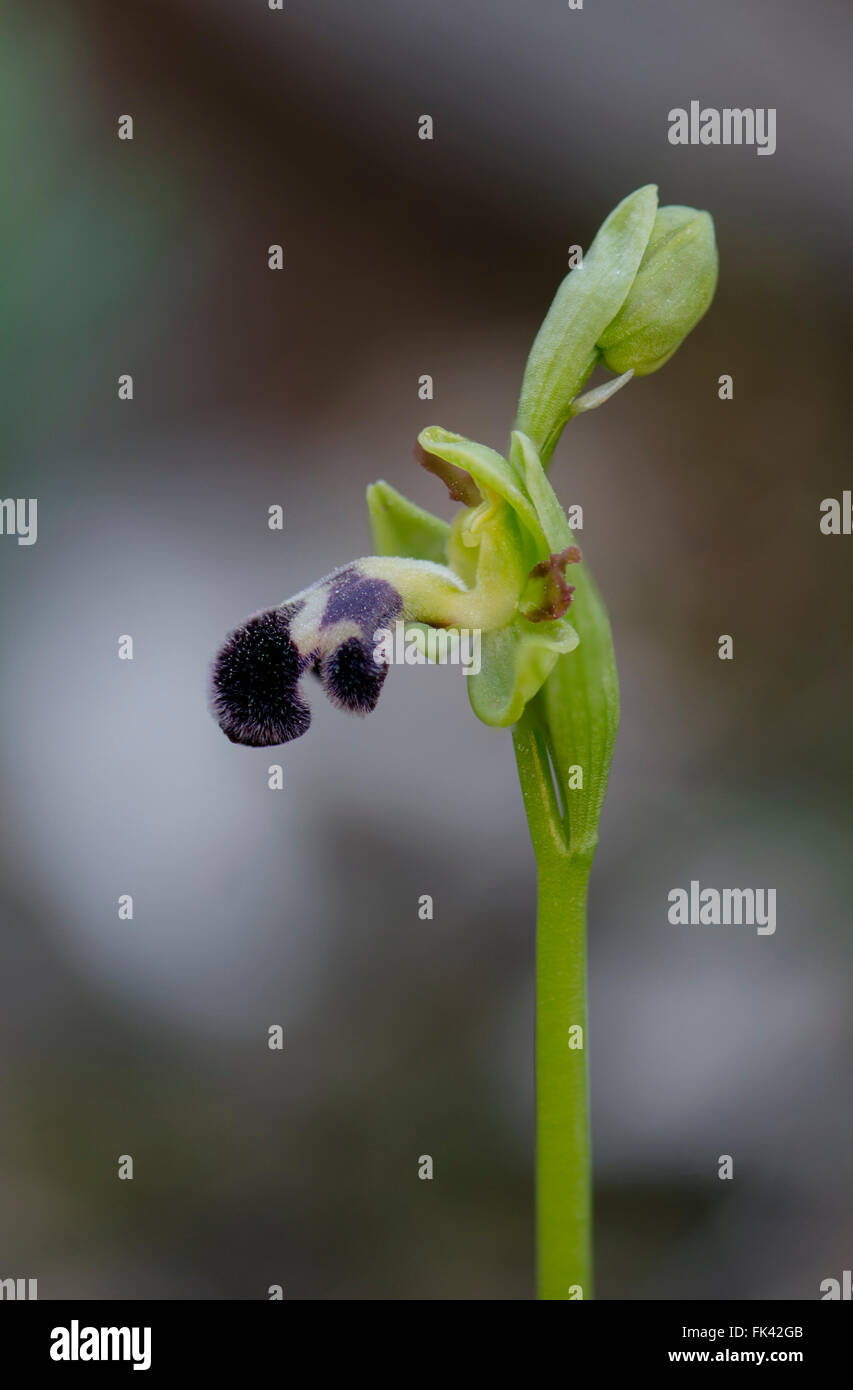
pixel 563 1185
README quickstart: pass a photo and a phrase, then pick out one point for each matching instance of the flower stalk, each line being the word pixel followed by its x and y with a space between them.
pixel 563 748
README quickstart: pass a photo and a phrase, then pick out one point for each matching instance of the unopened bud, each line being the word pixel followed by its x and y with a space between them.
pixel 672 290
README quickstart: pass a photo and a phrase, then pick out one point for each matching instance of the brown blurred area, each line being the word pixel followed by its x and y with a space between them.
pixel 251 908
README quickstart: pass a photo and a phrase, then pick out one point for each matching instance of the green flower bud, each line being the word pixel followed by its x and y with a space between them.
pixel 673 288
pixel 564 353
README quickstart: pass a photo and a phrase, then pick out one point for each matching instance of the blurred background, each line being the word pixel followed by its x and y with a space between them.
pixel 299 907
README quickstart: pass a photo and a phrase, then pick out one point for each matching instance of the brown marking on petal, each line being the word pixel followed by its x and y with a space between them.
pixel 557 594
pixel 459 484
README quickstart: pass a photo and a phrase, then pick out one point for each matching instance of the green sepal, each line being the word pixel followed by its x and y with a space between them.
pixel 401 527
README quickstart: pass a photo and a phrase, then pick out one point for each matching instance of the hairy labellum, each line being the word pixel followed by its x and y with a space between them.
pixel 255 693
pixel 329 628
